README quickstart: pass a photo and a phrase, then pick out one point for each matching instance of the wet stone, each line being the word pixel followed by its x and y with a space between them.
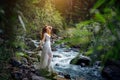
pixel 57 56
pixel 17 75
pixel 15 63
pixel 25 79
pixel 111 70
pixel 57 64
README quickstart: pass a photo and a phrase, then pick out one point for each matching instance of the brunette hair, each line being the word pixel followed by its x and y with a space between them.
pixel 44 30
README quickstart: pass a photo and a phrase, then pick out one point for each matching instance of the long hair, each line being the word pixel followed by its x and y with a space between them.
pixel 44 30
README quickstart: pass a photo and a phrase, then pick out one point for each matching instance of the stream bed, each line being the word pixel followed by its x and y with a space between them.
pixel 61 64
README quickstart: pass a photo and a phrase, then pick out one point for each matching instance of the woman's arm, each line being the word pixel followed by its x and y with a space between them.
pixel 43 40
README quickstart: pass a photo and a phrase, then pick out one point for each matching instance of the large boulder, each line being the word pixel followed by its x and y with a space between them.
pixel 111 70
pixel 81 60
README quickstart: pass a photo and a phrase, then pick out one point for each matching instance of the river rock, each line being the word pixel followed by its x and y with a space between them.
pixel 67 50
pixel 25 79
pixel 60 78
pixel 54 49
pixel 24 67
pixel 67 76
pixel 15 63
pixel 57 56
pixel 57 64
pixel 76 46
pixel 81 60
pixel 17 75
pixel 75 49
pixel 24 60
pixel 97 63
pixel 111 70
pixel 62 45
pixel 35 77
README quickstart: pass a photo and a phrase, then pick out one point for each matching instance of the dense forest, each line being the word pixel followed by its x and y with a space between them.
pixel 89 27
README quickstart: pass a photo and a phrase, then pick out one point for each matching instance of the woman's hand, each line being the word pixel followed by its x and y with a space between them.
pixel 41 45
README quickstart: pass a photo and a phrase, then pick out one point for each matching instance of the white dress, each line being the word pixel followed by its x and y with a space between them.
pixel 45 62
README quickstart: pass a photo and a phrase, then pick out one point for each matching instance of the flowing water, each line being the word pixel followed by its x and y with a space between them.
pixel 61 64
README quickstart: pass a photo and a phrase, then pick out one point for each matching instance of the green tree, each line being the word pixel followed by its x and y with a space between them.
pixel 50 16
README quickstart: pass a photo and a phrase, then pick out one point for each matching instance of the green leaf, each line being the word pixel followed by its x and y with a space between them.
pixel 20 54
pixel 98 4
pixel 99 17
pixel 84 23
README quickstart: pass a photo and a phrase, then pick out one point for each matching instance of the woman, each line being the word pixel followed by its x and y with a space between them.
pixel 46 56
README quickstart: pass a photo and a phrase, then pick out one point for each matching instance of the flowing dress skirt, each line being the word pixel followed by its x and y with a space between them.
pixel 46 56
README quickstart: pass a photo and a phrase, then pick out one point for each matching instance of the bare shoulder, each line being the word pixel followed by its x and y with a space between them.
pixel 45 34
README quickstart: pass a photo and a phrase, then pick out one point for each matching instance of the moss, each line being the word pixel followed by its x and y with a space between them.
pixel 74 61
pixel 21 54
pixel 89 52
pixel 45 73
pixel 99 48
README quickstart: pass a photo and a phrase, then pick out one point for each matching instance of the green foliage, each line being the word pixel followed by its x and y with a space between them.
pixel 19 43
pixel 27 11
pixel 45 73
pixel 102 10
pixel 89 52
pixel 99 17
pixel 79 36
pixel 98 4
pixel 100 33
pixel 113 53
pixel 36 14
pixel 21 54
pixel 50 16
pixel 95 52
pixel 83 23
pixel 109 31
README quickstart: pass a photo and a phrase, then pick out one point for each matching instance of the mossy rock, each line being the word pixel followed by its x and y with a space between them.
pixel 74 61
pixel 81 60
pixel 45 73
